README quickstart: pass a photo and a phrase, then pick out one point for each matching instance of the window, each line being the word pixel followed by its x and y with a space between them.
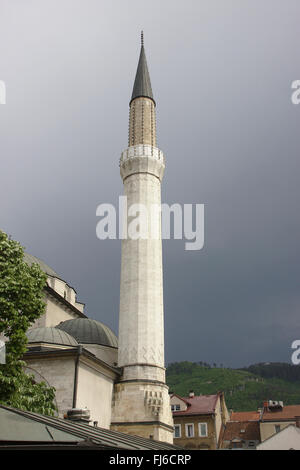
pixel 277 428
pixel 236 445
pixel 203 429
pixel 177 430
pixel 175 407
pixel 189 430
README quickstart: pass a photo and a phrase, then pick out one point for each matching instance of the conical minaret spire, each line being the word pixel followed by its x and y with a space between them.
pixel 142 125
pixel 142 84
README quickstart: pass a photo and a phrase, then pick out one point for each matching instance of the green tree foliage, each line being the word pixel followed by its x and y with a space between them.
pixel 21 303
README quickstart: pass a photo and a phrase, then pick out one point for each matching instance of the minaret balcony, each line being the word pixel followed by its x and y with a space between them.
pixel 142 150
pixel 142 158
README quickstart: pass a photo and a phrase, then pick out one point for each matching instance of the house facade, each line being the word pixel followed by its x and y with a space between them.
pixel 240 435
pixel 286 439
pixel 242 431
pixel 198 420
pixel 276 416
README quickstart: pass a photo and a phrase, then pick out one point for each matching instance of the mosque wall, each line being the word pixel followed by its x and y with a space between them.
pixel 55 313
pixel 59 372
pixel 94 391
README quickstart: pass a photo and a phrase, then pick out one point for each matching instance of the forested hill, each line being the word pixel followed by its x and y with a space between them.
pixel 245 389
pixel 279 370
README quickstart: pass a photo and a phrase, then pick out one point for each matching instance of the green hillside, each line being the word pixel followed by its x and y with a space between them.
pixel 244 390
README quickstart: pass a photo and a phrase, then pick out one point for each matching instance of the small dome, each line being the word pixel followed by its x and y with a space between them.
pixel 30 259
pixel 50 335
pixel 88 331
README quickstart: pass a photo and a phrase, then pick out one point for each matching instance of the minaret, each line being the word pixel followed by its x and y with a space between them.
pixel 141 402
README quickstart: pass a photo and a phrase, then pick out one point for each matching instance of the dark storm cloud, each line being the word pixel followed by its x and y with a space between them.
pixel 221 75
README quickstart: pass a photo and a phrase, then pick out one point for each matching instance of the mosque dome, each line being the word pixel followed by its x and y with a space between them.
pixel 50 335
pixel 88 331
pixel 30 259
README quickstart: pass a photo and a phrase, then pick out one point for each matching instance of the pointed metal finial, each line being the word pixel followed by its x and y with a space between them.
pixel 142 38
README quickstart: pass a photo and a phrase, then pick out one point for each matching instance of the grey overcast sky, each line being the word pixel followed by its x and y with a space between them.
pixel 221 75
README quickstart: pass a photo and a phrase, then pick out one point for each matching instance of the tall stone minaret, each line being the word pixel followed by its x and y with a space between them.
pixel 141 402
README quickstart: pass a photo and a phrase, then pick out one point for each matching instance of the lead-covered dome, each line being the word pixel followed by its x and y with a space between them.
pixel 50 335
pixel 88 331
pixel 30 259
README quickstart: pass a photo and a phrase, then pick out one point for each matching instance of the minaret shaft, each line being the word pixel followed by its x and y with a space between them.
pixel 141 328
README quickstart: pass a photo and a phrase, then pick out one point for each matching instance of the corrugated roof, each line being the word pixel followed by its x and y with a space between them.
pixel 100 436
pixel 18 427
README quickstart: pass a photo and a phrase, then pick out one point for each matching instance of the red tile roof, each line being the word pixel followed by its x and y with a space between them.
pixel 198 405
pixel 245 416
pixel 287 413
pixel 244 431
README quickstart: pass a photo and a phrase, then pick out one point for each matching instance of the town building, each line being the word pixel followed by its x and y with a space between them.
pixel 250 429
pixel 276 416
pixel 240 435
pixel 286 439
pixel 198 420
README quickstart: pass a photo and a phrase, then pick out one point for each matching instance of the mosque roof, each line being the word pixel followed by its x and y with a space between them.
pixel 30 259
pixel 88 331
pixel 50 335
